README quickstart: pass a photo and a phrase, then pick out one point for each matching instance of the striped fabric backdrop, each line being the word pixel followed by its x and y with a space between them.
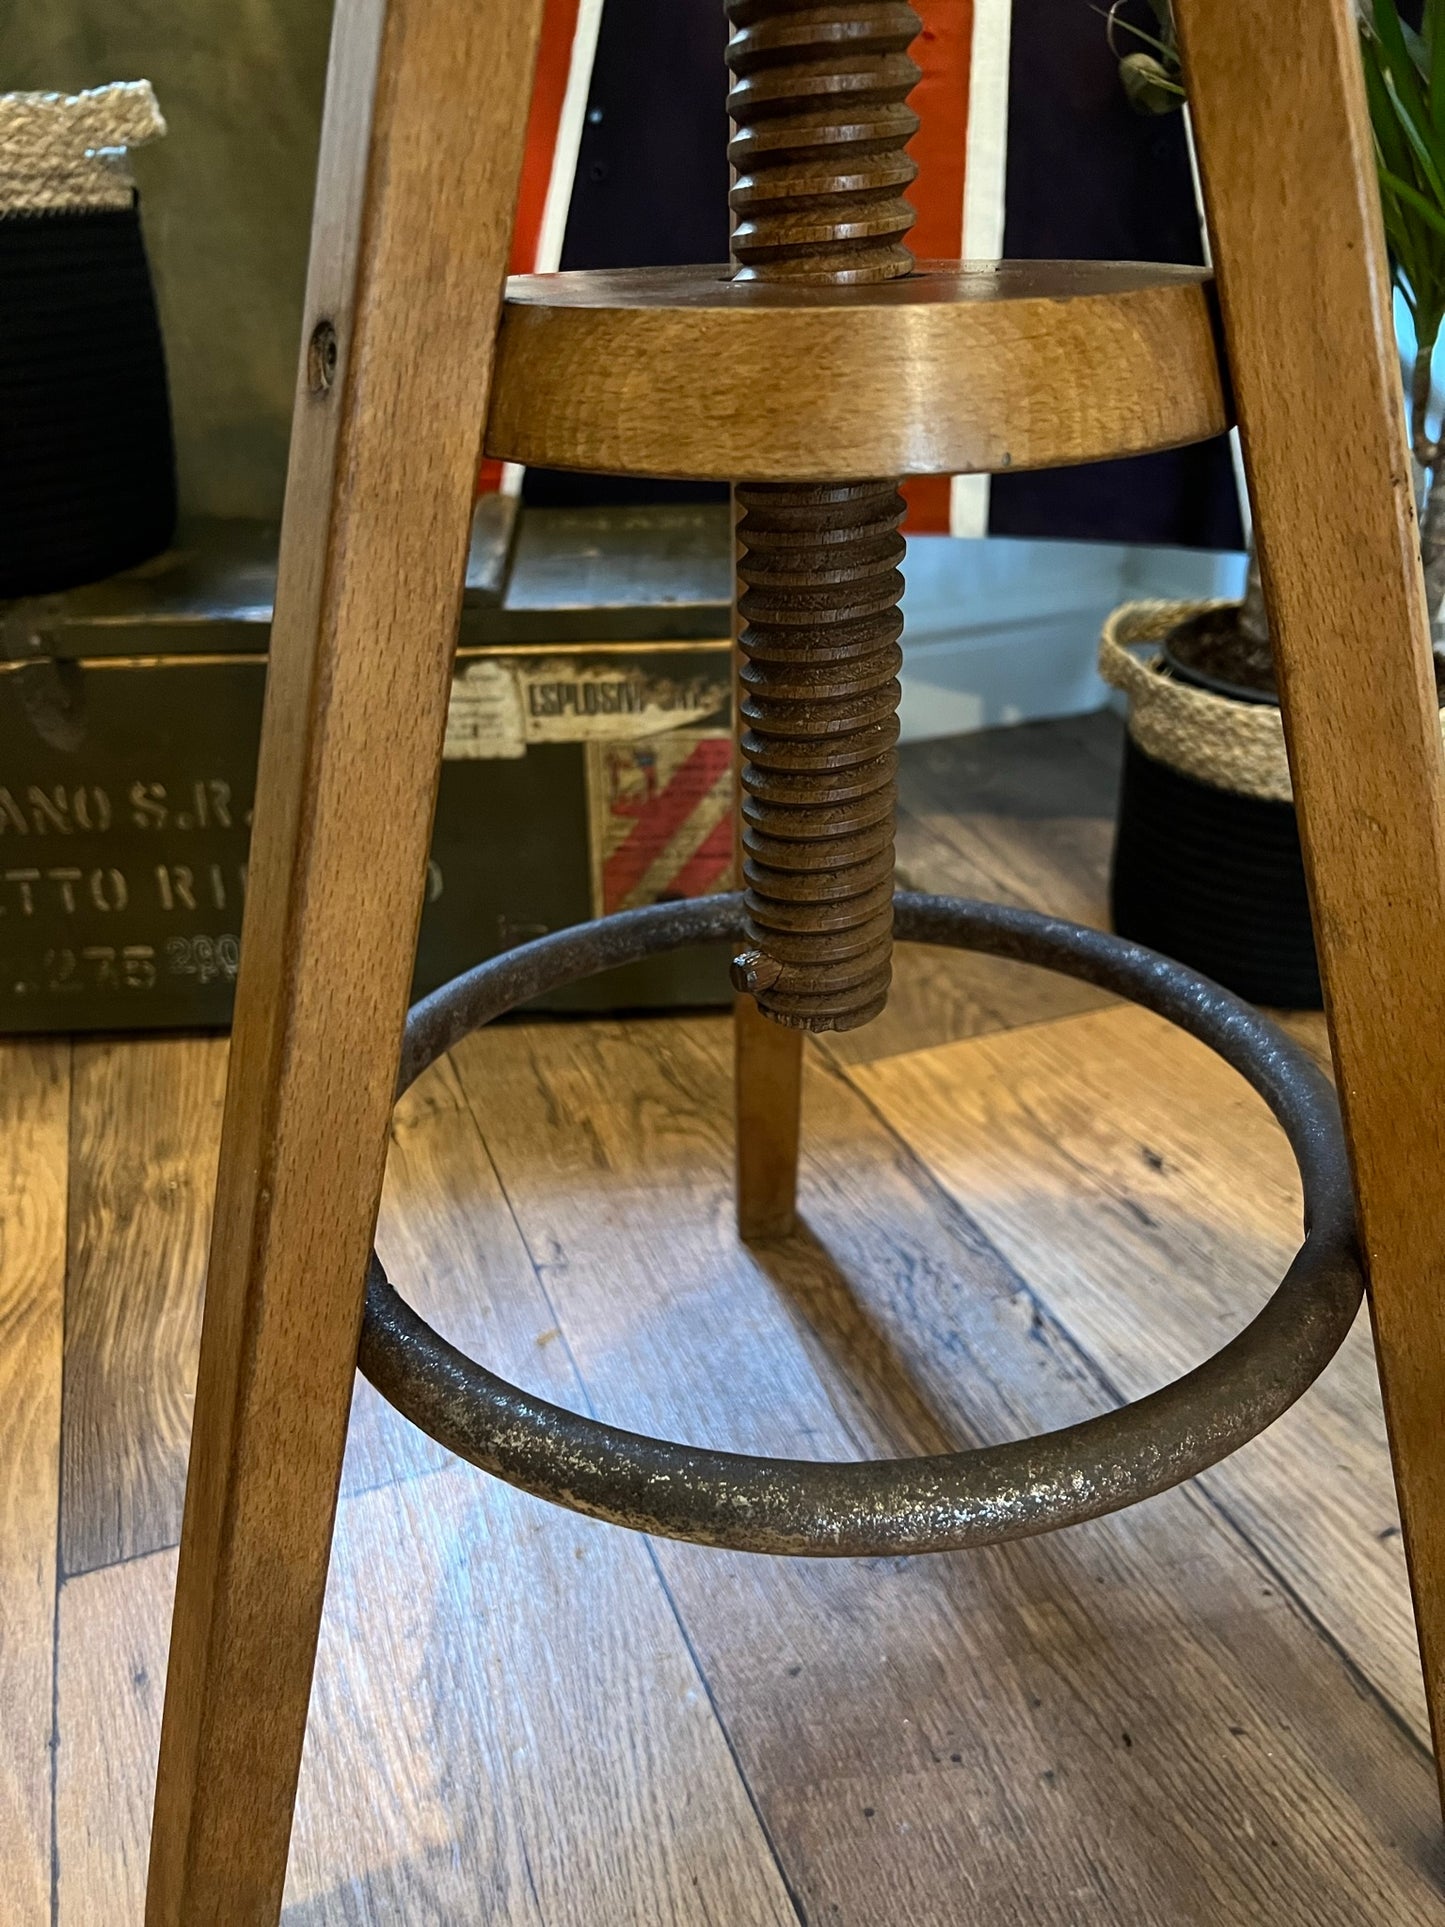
pixel 1026 148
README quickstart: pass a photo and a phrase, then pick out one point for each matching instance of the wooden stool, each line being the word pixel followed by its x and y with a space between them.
pixel 825 360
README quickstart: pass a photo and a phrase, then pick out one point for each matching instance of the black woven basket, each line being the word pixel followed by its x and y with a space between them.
pixel 87 465
pixel 1215 880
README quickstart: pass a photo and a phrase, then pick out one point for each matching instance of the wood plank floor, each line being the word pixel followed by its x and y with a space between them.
pixel 1022 1201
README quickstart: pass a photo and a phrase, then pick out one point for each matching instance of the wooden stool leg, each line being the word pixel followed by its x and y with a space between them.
pixel 768 1078
pixel 1289 174
pixel 426 111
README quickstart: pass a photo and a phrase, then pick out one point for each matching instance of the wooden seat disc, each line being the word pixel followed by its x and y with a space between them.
pixel 961 368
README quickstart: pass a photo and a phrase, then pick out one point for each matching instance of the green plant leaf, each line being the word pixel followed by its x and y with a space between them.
pixel 1434 38
pixel 1384 118
pixel 1415 251
pixel 1148 84
pixel 1399 64
pixel 1405 84
pixel 1394 71
pixel 1163 48
pixel 1425 208
pixel 1430 167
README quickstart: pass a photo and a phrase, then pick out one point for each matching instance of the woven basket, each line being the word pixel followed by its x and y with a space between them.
pixel 87 465
pixel 1207 862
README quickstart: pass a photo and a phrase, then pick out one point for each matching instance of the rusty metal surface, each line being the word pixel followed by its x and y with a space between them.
pixel 954 1500
pixel 821 125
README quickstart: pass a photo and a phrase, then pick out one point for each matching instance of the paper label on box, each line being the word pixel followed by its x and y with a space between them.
pixel 500 706
pixel 660 818
pixel 484 718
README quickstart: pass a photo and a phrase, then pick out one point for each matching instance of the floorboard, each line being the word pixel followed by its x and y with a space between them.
pixel 1021 1201
pixel 143 1163
pixel 507 1726
pixel 505 1729
pixel 1020 816
pixel 1151 1666
pixel 1151 1201
pixel 34 1119
pixel 143 1166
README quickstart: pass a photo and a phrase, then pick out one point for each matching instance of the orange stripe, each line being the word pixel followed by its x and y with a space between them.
pixel 929 499
pixel 554 64
pixel 943 50
pixel 660 818
pixel 940 100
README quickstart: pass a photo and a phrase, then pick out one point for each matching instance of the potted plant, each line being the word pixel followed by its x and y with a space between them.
pixel 87 469
pixel 1207 862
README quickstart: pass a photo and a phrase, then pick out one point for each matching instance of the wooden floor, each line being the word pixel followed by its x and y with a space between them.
pixel 1022 1202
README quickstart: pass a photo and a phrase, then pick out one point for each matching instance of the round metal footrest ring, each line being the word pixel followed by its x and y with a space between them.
pixel 889 1507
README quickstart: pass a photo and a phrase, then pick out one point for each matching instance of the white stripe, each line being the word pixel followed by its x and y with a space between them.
pixel 709 810
pixel 987 151
pixel 1236 452
pixel 1194 176
pixel 983 198
pixel 968 505
pixel 569 138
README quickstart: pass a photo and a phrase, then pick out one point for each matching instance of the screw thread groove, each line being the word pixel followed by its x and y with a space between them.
pixel 821 124
pixel 820 694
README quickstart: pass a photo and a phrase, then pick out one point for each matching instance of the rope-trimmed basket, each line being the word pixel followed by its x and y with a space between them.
pixel 69 151
pixel 1207 861
pixel 1233 745
pixel 87 466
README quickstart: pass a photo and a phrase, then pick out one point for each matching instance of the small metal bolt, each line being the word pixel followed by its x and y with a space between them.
pixel 754 971
pixel 321 357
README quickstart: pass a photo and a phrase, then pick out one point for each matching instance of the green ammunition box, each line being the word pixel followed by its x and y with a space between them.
pixel 587 764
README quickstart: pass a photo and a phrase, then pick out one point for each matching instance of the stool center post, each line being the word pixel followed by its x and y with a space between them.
pixel 820 128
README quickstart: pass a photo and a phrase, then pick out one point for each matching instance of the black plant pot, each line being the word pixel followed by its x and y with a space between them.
pixel 87 465
pixel 1212 877
pixel 1215 880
